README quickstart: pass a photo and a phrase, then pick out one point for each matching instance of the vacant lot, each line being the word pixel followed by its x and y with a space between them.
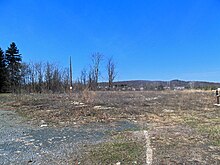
pixel 167 127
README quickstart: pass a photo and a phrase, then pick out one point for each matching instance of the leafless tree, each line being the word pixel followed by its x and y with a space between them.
pixel 25 74
pixel 111 71
pixel 95 69
pixel 83 77
pixel 91 79
pixel 56 80
pixel 32 77
pixel 44 77
pixel 65 79
pixel 39 76
pixel 48 75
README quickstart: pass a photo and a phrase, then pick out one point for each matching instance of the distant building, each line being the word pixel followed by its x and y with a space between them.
pixel 166 88
pixel 179 88
pixel 141 88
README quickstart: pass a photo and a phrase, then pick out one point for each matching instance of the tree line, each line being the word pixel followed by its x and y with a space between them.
pixel 43 77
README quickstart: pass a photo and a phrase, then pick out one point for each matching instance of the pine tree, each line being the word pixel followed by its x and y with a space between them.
pixel 2 71
pixel 13 62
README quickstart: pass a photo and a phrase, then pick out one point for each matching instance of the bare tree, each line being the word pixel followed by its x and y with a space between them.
pixel 56 80
pixel 96 59
pixel 44 77
pixel 39 76
pixel 111 71
pixel 65 79
pixel 48 75
pixel 25 74
pixel 83 77
pixel 32 76
pixel 91 79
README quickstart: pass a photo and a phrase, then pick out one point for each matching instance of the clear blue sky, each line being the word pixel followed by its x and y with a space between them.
pixel 149 39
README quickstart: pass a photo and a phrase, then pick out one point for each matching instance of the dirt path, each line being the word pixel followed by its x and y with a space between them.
pixel 21 143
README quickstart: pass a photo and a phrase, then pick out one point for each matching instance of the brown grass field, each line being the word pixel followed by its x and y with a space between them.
pixel 183 126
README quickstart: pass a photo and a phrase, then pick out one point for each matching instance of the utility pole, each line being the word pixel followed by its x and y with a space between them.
pixel 71 79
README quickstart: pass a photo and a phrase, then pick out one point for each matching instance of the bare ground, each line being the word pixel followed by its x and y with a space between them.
pixel 183 126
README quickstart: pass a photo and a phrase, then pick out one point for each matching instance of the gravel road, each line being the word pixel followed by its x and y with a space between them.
pixel 22 143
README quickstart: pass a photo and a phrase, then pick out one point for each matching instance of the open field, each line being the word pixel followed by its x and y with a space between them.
pixel 166 127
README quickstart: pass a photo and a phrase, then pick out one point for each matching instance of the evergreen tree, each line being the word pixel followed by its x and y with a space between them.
pixel 13 61
pixel 2 71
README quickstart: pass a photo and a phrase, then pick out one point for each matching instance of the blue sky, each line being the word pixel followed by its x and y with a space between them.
pixel 149 39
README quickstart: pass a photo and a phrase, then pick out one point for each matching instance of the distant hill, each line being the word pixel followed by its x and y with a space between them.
pixel 152 85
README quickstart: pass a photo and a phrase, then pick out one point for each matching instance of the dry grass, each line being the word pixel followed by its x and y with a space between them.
pixel 126 148
pixel 184 125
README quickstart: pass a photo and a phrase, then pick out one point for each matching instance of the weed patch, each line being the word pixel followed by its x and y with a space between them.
pixel 122 149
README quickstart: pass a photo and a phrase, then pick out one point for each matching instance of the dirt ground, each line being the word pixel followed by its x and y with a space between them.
pixel 183 126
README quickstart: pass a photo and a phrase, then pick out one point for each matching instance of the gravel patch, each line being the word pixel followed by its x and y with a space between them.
pixel 21 143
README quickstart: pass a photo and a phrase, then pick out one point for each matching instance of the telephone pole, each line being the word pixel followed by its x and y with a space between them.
pixel 71 79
